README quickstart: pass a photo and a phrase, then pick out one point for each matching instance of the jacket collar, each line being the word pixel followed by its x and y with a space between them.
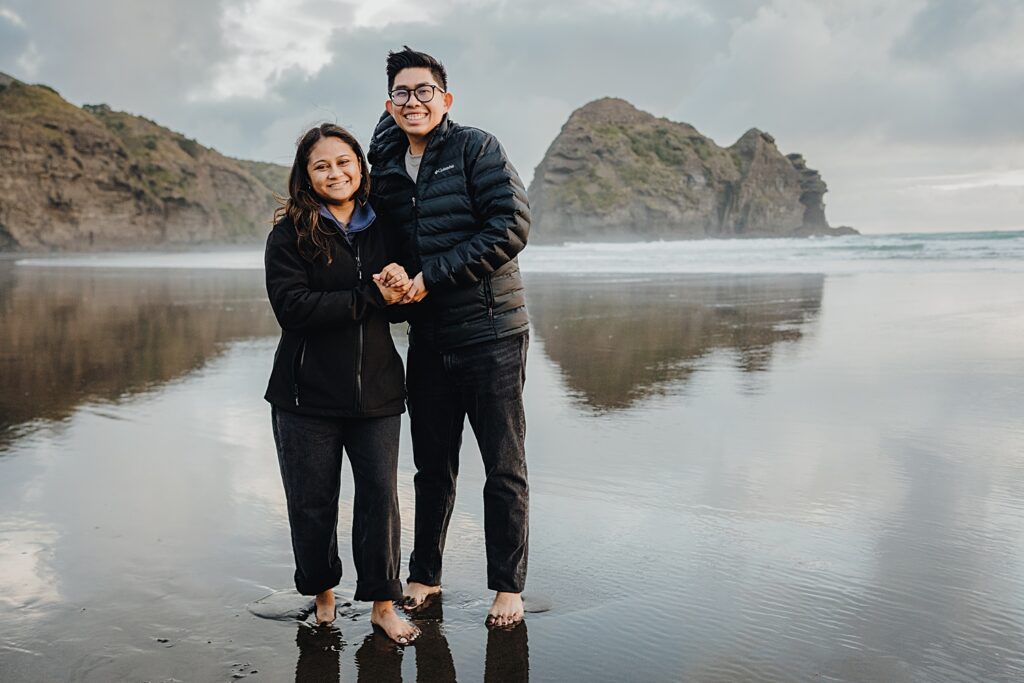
pixel 362 218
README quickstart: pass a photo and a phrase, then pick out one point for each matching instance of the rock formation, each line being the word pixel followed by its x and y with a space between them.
pixel 616 173
pixel 92 178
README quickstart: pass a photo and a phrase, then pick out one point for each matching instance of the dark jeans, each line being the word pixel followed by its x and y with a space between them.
pixel 484 382
pixel 309 450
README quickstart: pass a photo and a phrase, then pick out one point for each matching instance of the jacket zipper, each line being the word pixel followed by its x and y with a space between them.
pixel 416 227
pixel 359 348
pixel 302 359
pixel 490 298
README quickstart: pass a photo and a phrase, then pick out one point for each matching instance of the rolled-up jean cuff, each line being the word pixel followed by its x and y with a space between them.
pixel 372 591
pixel 315 588
pixel 503 587
pixel 421 579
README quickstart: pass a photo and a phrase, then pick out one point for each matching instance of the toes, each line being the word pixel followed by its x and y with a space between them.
pixel 407 637
pixel 503 620
pixel 500 620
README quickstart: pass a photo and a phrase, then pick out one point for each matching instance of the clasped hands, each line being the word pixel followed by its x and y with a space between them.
pixel 396 287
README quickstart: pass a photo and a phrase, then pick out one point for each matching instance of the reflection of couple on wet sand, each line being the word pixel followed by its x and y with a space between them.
pixel 431 241
pixel 507 656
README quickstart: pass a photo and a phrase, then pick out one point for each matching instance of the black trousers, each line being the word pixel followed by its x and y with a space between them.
pixel 309 451
pixel 484 382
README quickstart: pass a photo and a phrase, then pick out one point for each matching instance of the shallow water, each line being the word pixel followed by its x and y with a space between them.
pixel 734 477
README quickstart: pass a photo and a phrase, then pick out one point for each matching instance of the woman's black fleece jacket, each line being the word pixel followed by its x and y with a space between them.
pixel 336 356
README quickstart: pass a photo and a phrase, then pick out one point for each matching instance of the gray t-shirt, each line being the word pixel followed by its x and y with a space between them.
pixel 412 164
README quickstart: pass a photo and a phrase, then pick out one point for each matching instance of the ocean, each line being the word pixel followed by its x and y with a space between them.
pixel 918 252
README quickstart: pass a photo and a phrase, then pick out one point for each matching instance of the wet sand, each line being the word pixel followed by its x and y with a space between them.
pixel 734 478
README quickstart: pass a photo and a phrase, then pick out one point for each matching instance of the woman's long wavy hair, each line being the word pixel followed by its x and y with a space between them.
pixel 302 205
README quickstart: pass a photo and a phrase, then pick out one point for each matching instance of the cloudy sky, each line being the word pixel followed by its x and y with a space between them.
pixel 913 110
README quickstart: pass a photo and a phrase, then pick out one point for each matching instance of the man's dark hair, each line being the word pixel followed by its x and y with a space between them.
pixel 410 59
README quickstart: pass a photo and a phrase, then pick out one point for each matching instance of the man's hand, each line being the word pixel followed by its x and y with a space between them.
pixel 416 291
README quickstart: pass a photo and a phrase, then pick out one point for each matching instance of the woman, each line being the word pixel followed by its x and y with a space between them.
pixel 337 381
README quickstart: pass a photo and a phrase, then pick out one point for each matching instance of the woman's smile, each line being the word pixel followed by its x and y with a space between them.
pixel 334 171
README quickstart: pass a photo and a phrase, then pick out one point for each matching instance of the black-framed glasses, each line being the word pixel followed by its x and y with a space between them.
pixel 424 93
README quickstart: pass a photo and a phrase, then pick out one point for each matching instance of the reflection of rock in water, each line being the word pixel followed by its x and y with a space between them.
pixel 618 340
pixel 74 335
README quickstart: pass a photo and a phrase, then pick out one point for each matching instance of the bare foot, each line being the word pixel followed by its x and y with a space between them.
pixel 325 612
pixel 416 595
pixel 397 628
pixel 506 610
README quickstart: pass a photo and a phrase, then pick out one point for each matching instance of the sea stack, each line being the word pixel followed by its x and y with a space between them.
pixel 616 173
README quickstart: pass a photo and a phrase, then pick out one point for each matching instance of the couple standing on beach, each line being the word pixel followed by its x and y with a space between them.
pixel 432 241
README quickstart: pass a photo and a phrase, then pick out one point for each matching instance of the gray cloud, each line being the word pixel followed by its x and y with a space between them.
pixel 869 91
pixel 140 56
pixel 14 42
pixel 520 81
pixel 802 74
pixel 944 28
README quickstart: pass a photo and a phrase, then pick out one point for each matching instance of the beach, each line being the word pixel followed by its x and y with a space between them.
pixel 800 460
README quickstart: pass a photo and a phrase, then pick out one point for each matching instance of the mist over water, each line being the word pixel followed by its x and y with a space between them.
pixel 805 474
pixel 919 252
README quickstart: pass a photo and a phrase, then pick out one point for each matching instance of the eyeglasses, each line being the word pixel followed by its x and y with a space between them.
pixel 424 93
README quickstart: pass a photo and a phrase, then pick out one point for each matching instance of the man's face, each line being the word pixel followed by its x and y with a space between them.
pixel 417 118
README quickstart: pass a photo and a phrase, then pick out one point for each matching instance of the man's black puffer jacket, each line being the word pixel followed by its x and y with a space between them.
pixel 336 356
pixel 461 224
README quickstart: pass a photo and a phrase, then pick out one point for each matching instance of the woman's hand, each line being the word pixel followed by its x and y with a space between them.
pixel 392 275
pixel 393 283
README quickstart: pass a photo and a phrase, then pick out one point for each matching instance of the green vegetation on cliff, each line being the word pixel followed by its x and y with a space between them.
pixel 92 177
pixel 618 173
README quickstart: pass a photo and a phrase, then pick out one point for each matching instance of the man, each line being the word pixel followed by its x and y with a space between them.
pixel 460 215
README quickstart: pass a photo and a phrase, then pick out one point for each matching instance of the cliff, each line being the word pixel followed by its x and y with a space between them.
pixel 91 178
pixel 616 173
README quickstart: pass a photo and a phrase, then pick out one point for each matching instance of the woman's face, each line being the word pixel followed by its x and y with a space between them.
pixel 334 170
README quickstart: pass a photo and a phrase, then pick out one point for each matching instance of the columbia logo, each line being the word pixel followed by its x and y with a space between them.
pixel 446 168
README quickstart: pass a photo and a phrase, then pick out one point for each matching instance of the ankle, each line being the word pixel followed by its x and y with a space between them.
pixel 382 607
